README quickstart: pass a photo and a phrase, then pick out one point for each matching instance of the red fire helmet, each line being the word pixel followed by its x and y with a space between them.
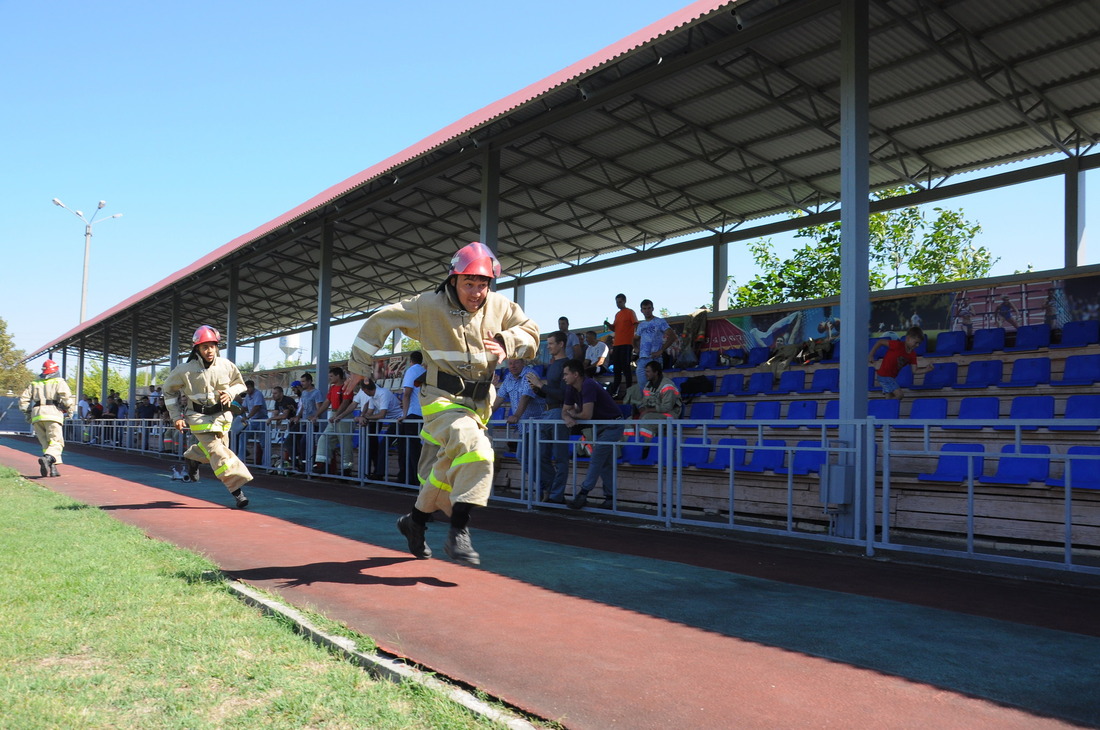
pixel 475 259
pixel 206 333
pixel 49 367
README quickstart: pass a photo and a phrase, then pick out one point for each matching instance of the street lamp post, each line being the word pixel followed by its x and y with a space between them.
pixel 87 245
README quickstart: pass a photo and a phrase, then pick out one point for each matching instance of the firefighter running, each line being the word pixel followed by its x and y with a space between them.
pixel 45 403
pixel 465 331
pixel 210 384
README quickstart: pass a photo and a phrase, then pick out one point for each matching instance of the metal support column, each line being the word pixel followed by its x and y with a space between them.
pixel 519 295
pixel 103 379
pixel 174 343
pixel 1075 215
pixel 131 395
pixel 720 283
pixel 80 371
pixel 231 314
pixel 490 199
pixel 854 233
pixel 324 307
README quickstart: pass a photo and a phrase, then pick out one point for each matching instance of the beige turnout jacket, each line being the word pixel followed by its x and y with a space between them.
pixel 40 392
pixel 450 336
pixel 201 386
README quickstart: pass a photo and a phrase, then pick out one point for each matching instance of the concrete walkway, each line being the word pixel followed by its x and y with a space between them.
pixel 597 625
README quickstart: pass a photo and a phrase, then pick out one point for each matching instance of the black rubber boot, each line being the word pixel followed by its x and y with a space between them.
pixel 53 466
pixel 459 547
pixel 414 533
pixel 242 501
pixel 192 470
pixel 44 465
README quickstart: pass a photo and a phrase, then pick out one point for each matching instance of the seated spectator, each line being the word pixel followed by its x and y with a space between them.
pixel 524 403
pixel 145 409
pixel 660 399
pixel 283 406
pixel 595 357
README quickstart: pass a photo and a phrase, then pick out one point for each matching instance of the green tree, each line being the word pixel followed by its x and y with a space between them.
pixel 14 376
pixel 907 248
pixel 93 379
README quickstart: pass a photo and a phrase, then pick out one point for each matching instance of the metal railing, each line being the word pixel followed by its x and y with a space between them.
pixel 703 474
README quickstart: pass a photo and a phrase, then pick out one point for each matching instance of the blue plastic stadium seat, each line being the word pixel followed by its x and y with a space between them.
pixel 1028 372
pixel 926 409
pixel 759 383
pixel 756 356
pixel 884 409
pixel 642 452
pixel 734 410
pixel 699 414
pixel 987 340
pixel 942 375
pixel 808 458
pixel 802 410
pixel 766 410
pixel 791 381
pixel 1080 370
pixel 626 410
pixel 708 360
pixel 732 384
pixel 768 459
pixel 982 374
pixel 1082 473
pixel 726 452
pixel 978 408
pixel 953 463
pixel 695 451
pixel 1031 337
pixel 824 380
pixel 949 343
pixel 1080 334
pixel 1083 406
pixel 1026 407
pixel 679 382
pixel 1021 469
pixel 832 410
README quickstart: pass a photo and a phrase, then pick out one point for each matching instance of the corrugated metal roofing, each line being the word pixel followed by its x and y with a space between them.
pixel 686 126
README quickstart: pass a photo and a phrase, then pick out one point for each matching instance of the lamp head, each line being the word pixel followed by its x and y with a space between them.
pixel 58 202
pixel 102 203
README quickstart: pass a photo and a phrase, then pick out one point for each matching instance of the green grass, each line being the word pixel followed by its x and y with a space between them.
pixel 102 627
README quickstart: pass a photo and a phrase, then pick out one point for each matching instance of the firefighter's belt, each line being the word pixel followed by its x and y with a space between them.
pixel 476 389
pixel 208 410
pixel 38 403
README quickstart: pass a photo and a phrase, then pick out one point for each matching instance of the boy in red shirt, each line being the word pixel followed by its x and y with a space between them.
pixel 899 353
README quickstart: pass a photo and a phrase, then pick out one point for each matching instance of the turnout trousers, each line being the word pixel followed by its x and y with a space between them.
pixel 212 448
pixel 456 463
pixel 52 438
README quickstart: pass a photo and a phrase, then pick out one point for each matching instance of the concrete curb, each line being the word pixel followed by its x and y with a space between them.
pixel 379 666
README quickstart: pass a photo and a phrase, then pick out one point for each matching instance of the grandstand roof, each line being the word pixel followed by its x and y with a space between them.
pixel 721 114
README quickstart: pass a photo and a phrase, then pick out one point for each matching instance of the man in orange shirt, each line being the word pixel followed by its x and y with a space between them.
pixel 622 349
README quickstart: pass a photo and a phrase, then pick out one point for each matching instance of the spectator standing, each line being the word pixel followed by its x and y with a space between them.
pixel 339 406
pixel 305 418
pixel 586 401
pixel 554 446
pixel 623 344
pixel 524 403
pixel 652 338
pixel 899 353
pixel 465 329
pixel 45 402
pixel 382 405
pixel 412 417
pixel 1007 313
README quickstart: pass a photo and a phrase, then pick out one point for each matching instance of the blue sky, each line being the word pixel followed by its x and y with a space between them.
pixel 199 122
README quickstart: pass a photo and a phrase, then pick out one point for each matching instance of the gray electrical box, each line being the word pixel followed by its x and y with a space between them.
pixel 837 482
